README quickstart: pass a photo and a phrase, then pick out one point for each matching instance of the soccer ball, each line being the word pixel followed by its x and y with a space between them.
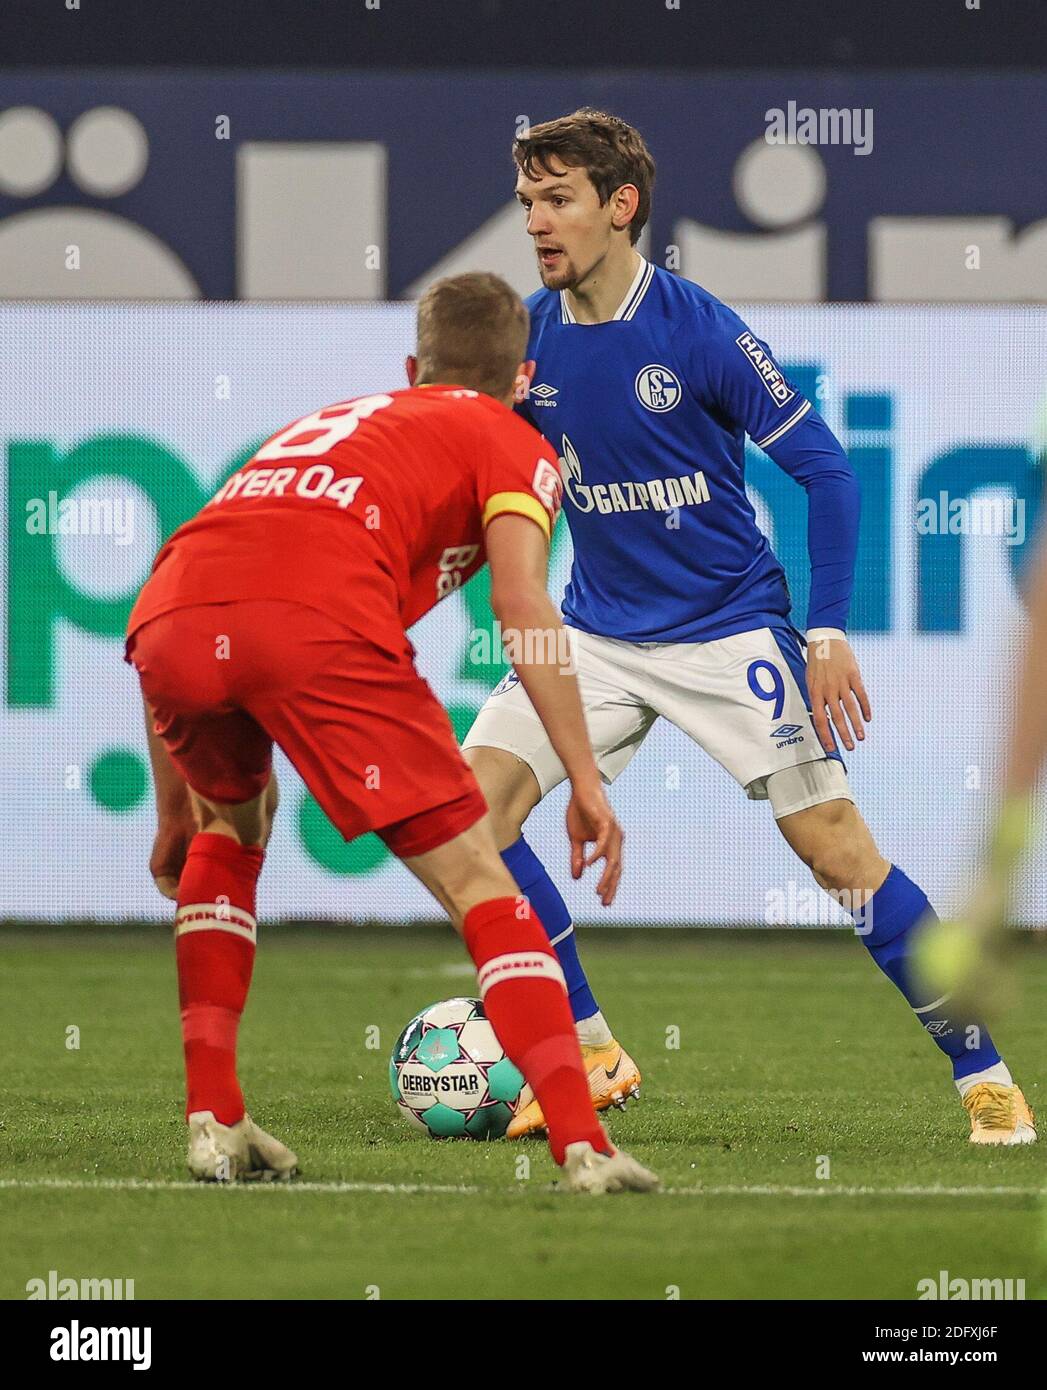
pixel 449 1075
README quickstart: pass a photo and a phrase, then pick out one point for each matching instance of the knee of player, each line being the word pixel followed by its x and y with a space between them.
pixel 840 866
pixel 509 787
pixel 835 854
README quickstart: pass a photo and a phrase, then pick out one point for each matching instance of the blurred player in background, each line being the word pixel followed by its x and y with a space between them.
pixel 967 957
pixel 648 385
pixel 278 614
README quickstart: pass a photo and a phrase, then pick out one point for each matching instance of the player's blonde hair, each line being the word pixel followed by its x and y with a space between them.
pixel 611 152
pixel 472 331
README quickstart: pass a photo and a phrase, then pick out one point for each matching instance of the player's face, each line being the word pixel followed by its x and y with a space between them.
pixel 571 231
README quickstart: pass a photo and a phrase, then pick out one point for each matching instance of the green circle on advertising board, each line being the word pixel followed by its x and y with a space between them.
pixel 323 843
pixel 118 779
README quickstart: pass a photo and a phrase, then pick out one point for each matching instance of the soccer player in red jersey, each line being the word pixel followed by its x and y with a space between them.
pixel 278 614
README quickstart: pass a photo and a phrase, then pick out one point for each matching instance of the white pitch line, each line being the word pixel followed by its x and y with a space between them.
pixel 162 1185
pixel 435 1189
pixel 829 1190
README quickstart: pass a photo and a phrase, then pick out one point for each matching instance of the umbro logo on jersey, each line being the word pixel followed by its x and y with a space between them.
pixel 766 369
pixel 544 393
pixel 787 734
pixel 657 388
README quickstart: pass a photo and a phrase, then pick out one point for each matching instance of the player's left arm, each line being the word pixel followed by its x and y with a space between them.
pixel 812 455
pixel 737 372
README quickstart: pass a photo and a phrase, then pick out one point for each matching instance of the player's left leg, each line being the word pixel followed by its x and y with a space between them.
pixel 832 839
pixel 515 764
pixel 744 699
pixel 377 751
pixel 512 791
pixel 520 982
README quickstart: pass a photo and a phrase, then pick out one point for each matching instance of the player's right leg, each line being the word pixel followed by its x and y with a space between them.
pixel 515 764
pixel 524 996
pixel 225 757
pixel 376 749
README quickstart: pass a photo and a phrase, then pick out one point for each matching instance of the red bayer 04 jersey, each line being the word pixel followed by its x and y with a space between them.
pixel 371 510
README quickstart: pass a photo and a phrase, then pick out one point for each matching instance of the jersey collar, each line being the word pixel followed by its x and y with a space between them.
pixel 629 305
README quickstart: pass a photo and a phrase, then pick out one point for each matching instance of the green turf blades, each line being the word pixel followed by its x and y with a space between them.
pixel 792 1046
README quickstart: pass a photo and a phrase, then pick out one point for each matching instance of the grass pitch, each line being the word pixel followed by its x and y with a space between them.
pixel 809 1137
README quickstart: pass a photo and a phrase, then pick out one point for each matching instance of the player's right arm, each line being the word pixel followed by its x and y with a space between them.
pixel 175 822
pixel 517 552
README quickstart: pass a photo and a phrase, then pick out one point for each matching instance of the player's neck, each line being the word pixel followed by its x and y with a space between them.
pixel 596 299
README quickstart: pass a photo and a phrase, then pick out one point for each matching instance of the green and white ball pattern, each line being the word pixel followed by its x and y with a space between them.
pixel 449 1075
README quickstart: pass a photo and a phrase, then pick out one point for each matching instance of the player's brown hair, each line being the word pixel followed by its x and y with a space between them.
pixel 472 331
pixel 611 152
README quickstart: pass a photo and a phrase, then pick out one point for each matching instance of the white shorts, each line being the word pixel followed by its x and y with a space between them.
pixel 743 699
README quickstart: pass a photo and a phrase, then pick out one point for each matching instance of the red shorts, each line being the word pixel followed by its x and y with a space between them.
pixel 367 735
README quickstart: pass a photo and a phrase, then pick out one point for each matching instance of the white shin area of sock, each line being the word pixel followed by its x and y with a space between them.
pixel 999 1075
pixel 593 1031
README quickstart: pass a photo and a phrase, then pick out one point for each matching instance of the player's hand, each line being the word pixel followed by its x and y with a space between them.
pixel 834 684
pixel 591 820
pixel 170 847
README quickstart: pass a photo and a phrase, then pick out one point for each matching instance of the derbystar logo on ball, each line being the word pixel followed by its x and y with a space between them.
pixel 414 1083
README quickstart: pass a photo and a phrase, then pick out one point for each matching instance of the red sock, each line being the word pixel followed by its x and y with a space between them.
pixel 214 944
pixel 525 998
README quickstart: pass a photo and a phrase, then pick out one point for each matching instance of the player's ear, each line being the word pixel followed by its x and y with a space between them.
pixel 524 377
pixel 411 368
pixel 626 200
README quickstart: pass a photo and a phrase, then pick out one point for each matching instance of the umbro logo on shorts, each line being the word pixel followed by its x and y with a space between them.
pixel 787 734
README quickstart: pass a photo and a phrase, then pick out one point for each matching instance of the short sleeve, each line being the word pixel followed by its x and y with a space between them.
pixel 735 373
pixel 519 473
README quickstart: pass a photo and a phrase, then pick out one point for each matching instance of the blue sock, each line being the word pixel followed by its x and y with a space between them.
pixel 892 913
pixel 543 895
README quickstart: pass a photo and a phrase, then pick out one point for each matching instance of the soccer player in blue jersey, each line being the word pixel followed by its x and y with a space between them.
pixel 647 385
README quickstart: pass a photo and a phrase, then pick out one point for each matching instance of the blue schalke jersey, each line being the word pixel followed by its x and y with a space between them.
pixel 649 413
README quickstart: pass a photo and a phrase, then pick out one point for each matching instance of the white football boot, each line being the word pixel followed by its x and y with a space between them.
pixel 236 1153
pixel 586 1170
